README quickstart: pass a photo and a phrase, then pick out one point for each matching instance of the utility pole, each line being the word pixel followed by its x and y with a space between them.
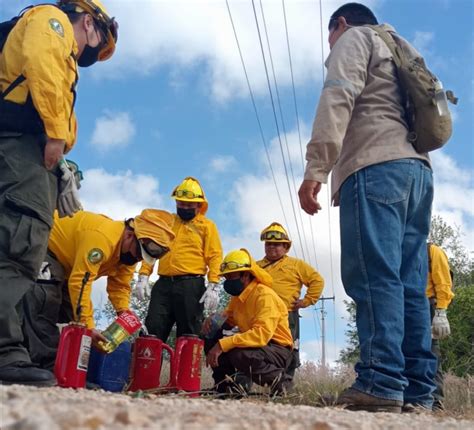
pixel 323 329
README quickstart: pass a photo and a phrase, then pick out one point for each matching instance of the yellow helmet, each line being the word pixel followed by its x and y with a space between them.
pixel 189 191
pixel 275 232
pixel 236 261
pixel 107 25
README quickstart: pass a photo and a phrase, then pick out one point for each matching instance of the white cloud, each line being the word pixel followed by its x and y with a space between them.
pixel 120 195
pixel 312 351
pixel 222 163
pixel 185 35
pixel 423 41
pixel 113 129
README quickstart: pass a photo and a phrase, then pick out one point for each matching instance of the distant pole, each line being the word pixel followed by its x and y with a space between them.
pixel 323 329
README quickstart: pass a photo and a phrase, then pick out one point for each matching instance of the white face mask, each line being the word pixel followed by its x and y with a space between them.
pixel 147 258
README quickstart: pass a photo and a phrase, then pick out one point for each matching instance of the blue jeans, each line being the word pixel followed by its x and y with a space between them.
pixel 385 213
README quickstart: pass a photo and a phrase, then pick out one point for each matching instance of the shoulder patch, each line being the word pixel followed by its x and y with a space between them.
pixel 56 26
pixel 95 256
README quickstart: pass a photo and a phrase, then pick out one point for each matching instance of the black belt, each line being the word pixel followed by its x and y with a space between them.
pixel 180 277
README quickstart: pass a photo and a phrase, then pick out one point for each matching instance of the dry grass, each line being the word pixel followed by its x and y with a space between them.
pixel 459 395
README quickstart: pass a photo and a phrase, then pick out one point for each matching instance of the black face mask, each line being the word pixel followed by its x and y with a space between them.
pixel 234 287
pixel 89 56
pixel 128 259
pixel 186 214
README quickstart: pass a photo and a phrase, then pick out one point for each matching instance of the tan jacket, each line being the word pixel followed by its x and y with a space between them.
pixel 359 120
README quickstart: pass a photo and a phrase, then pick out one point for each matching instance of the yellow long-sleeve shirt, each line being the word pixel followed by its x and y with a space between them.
pixel 439 278
pixel 261 317
pixel 42 47
pixel 289 275
pixel 90 242
pixel 196 250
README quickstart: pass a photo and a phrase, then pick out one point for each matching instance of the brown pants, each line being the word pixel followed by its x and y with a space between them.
pixel 264 366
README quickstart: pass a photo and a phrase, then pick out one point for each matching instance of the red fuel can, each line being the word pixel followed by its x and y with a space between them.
pixel 146 363
pixel 72 358
pixel 186 366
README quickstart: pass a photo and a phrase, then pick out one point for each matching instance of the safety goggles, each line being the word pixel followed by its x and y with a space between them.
pixel 108 30
pixel 229 266
pixel 273 235
pixel 153 249
pixel 186 193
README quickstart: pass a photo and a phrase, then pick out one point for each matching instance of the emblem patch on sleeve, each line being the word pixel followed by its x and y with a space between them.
pixel 56 26
pixel 95 256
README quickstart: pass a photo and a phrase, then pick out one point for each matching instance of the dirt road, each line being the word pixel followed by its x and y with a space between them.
pixel 24 408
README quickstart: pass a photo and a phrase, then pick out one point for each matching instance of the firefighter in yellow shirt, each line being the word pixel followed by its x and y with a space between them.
pixel 440 294
pixel 178 295
pixel 38 77
pixel 261 350
pixel 289 275
pixel 95 244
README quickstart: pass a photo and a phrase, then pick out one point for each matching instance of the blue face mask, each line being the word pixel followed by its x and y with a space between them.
pixel 234 287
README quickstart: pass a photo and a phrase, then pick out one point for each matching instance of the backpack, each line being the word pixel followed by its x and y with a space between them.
pixel 426 112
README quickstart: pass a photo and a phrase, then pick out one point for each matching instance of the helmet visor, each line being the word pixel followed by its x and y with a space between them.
pixel 273 235
pixel 188 194
pixel 229 266
pixel 153 249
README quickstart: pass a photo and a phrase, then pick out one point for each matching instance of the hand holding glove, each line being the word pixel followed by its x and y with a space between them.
pixel 68 197
pixel 141 287
pixel 211 297
pixel 440 325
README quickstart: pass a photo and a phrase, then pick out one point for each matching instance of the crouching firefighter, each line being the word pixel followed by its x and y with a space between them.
pixel 262 349
pixel 40 51
pixel 93 243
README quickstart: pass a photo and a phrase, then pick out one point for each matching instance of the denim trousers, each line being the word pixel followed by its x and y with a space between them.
pixel 385 213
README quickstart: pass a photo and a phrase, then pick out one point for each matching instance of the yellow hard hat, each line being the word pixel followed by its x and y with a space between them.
pixel 238 260
pixel 275 232
pixel 189 191
pixel 107 25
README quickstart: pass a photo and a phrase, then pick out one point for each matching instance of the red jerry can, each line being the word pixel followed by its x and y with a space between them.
pixel 186 366
pixel 72 358
pixel 146 363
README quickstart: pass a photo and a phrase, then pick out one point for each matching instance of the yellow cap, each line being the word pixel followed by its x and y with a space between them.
pixel 156 225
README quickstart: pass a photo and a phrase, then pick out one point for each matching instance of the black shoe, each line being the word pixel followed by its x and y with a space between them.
pixel 283 387
pixel 25 373
pixel 356 400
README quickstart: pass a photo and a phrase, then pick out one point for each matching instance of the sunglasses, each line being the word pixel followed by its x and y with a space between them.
pixel 232 265
pixel 154 249
pixel 273 235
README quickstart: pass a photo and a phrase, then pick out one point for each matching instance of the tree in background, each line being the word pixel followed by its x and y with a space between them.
pixel 458 349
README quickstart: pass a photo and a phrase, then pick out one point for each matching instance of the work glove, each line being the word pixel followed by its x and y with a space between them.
pixel 68 197
pixel 210 298
pixel 141 287
pixel 45 272
pixel 440 325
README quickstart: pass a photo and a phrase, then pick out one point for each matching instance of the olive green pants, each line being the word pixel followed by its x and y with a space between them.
pixel 28 193
pixel 175 300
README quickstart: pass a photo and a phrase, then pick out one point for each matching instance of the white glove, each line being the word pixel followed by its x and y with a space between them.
pixel 211 297
pixel 440 325
pixel 141 287
pixel 68 197
pixel 44 273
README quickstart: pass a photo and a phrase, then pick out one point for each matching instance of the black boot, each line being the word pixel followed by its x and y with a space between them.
pixel 25 373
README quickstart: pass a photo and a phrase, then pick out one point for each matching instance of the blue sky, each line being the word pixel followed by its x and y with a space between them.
pixel 173 102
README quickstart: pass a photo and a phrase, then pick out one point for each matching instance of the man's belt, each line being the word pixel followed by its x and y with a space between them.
pixel 180 277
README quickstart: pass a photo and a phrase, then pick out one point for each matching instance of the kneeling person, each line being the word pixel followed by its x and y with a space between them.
pixel 261 350
pixel 96 244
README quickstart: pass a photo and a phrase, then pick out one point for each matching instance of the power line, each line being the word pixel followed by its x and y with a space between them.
pixel 277 92
pixel 276 124
pixel 257 117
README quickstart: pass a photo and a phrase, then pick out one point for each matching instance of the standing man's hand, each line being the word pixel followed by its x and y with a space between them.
pixel 212 357
pixel 53 152
pixel 308 194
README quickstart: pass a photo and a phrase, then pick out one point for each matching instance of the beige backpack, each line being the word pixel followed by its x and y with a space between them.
pixel 426 110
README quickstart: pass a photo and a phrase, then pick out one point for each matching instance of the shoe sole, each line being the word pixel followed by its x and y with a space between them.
pixel 375 408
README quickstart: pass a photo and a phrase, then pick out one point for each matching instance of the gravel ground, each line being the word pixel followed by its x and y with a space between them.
pixel 27 408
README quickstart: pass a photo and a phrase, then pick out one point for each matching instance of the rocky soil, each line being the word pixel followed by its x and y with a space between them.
pixel 26 408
